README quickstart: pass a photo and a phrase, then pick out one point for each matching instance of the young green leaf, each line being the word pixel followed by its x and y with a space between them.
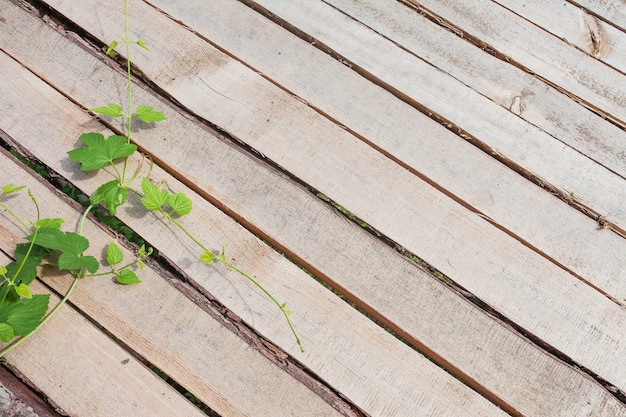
pixel 114 254
pixel 111 109
pixel 50 223
pixel 127 277
pixel 143 45
pixel 207 257
pixel 110 49
pixel 6 332
pixel 3 270
pixel 25 314
pixel 23 291
pixel 180 203
pixel 148 115
pixel 153 197
pixel 10 188
pixel 112 194
pixel 100 152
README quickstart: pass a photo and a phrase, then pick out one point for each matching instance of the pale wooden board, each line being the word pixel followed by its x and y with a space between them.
pixel 613 11
pixel 505 134
pixel 523 286
pixel 537 217
pixel 79 367
pixel 516 90
pixel 544 54
pixel 576 26
pixel 508 354
pixel 364 362
pixel 159 323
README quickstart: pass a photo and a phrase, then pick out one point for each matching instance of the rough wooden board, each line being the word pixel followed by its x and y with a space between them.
pixel 537 217
pixel 385 377
pixel 546 55
pixel 524 287
pixel 576 26
pixel 521 357
pixel 166 328
pixel 81 369
pixel 612 11
pixel 520 92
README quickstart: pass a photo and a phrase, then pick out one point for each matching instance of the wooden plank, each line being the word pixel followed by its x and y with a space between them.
pixel 547 56
pixel 534 216
pixel 576 26
pixel 523 286
pixel 337 337
pixel 79 367
pixel 485 353
pixel 162 325
pixel 514 89
pixel 610 10
pixel 573 175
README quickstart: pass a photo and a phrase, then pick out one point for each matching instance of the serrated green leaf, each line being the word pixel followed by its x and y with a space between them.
pixel 111 110
pixel 100 152
pixel 25 314
pixel 112 194
pixel 10 188
pixel 180 203
pixel 64 241
pixel 55 223
pixel 148 115
pixel 28 268
pixel 143 45
pixel 6 332
pixel 23 291
pixel 127 277
pixel 73 262
pixel 207 257
pixel 154 198
pixel 114 254
pixel 110 49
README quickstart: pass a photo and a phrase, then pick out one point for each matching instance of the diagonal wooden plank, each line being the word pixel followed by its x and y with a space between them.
pixel 525 287
pixel 79 367
pixel 385 376
pixel 525 363
pixel 610 10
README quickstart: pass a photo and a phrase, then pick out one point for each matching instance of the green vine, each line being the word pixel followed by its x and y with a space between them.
pixel 23 313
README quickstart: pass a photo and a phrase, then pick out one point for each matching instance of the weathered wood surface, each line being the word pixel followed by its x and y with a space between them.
pixel 355 129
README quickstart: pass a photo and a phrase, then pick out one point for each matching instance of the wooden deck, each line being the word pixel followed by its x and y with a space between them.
pixel 451 172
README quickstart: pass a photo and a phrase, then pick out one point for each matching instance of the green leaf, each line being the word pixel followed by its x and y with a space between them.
pixel 111 109
pixel 10 188
pixel 127 277
pixel 143 45
pixel 110 50
pixel 207 257
pixel 100 152
pixel 23 291
pixel 72 262
pixel 6 332
pixel 114 254
pixel 180 203
pixel 112 194
pixel 50 223
pixel 28 271
pixel 3 270
pixel 25 314
pixel 64 241
pixel 154 198
pixel 147 114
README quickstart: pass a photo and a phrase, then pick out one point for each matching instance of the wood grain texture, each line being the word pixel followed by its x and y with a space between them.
pixel 612 11
pixel 523 286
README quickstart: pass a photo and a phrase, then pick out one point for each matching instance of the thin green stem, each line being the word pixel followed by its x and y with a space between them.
pixel 15 216
pixel 81 224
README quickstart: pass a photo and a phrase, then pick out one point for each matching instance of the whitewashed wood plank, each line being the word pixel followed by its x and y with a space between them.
pixel 547 56
pixel 613 11
pixel 337 337
pixel 255 90
pixel 557 229
pixel 507 85
pixel 162 325
pixel 80 368
pixel 576 26
pixel 523 286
